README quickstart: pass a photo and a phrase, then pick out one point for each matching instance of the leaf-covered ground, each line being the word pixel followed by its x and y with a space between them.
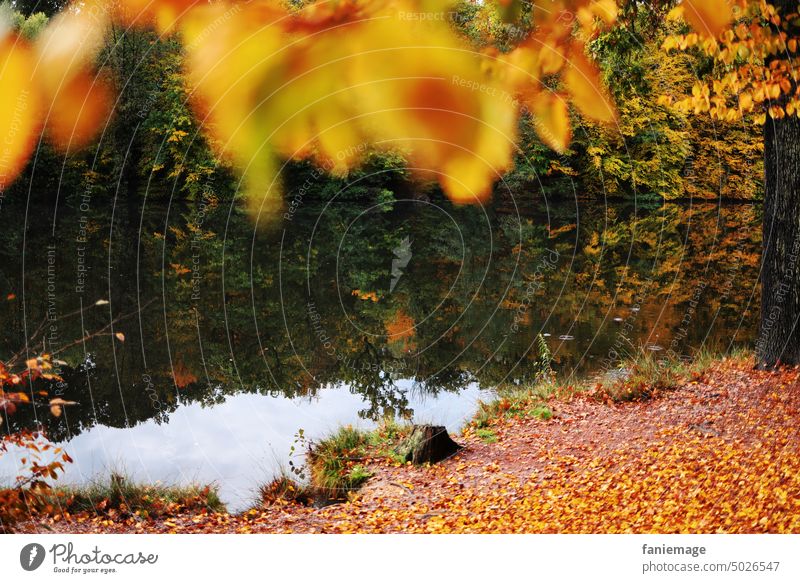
pixel 719 454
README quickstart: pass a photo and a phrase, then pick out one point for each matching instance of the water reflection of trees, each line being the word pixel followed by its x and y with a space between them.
pixel 231 309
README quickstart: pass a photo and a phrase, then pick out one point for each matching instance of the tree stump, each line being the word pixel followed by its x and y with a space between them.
pixel 427 444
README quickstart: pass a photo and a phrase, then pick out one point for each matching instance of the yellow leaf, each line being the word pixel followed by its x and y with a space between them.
pixel 606 10
pixel 676 13
pixel 165 14
pixel 552 120
pixel 583 83
pixel 57 404
pixel 19 107
pixel 550 60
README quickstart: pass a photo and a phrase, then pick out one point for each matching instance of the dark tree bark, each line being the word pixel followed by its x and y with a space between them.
pixel 779 337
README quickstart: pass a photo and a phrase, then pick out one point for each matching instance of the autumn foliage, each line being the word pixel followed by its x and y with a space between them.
pixel 271 83
pixel 321 81
pixel 39 459
pixel 754 45
pixel 331 82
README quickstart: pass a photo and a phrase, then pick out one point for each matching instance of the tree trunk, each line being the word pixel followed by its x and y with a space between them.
pixel 779 336
pixel 778 341
pixel 427 444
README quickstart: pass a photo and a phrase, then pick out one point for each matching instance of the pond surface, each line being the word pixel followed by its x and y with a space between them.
pixel 198 343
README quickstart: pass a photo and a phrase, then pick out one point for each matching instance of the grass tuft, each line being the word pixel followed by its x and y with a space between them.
pixel 515 402
pixel 646 375
pixel 336 463
pixel 125 497
pixel 487 435
pixel 542 412
pixel 641 377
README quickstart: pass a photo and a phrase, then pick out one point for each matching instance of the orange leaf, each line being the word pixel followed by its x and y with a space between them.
pixel 19 107
pixel 78 110
pixel 708 17
pixel 60 401
pixel 552 120
pixel 583 83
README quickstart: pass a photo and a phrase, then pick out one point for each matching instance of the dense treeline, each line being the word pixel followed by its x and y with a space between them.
pixel 152 145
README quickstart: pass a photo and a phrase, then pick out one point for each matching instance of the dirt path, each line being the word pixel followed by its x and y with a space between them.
pixel 720 454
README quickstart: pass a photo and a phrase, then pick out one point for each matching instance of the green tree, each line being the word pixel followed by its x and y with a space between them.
pixel 31 7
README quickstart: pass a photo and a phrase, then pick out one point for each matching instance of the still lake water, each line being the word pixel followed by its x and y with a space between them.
pixel 226 339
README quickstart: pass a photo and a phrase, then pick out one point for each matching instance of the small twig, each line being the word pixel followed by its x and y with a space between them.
pixel 102 330
pixel 39 329
pixel 12 361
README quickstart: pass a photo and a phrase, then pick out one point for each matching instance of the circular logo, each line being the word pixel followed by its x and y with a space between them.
pixel 31 556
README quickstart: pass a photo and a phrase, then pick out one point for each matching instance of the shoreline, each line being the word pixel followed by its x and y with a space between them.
pixel 718 452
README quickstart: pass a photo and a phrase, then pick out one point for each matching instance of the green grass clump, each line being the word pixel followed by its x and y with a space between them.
pixel 336 463
pixel 645 375
pixel 388 433
pixel 335 466
pixel 386 436
pixel 486 435
pixel 542 412
pixel 127 497
pixel 515 402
